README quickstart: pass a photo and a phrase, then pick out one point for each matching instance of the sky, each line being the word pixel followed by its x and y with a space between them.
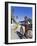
pixel 21 12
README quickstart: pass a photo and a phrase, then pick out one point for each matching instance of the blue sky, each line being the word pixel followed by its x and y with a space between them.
pixel 21 12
